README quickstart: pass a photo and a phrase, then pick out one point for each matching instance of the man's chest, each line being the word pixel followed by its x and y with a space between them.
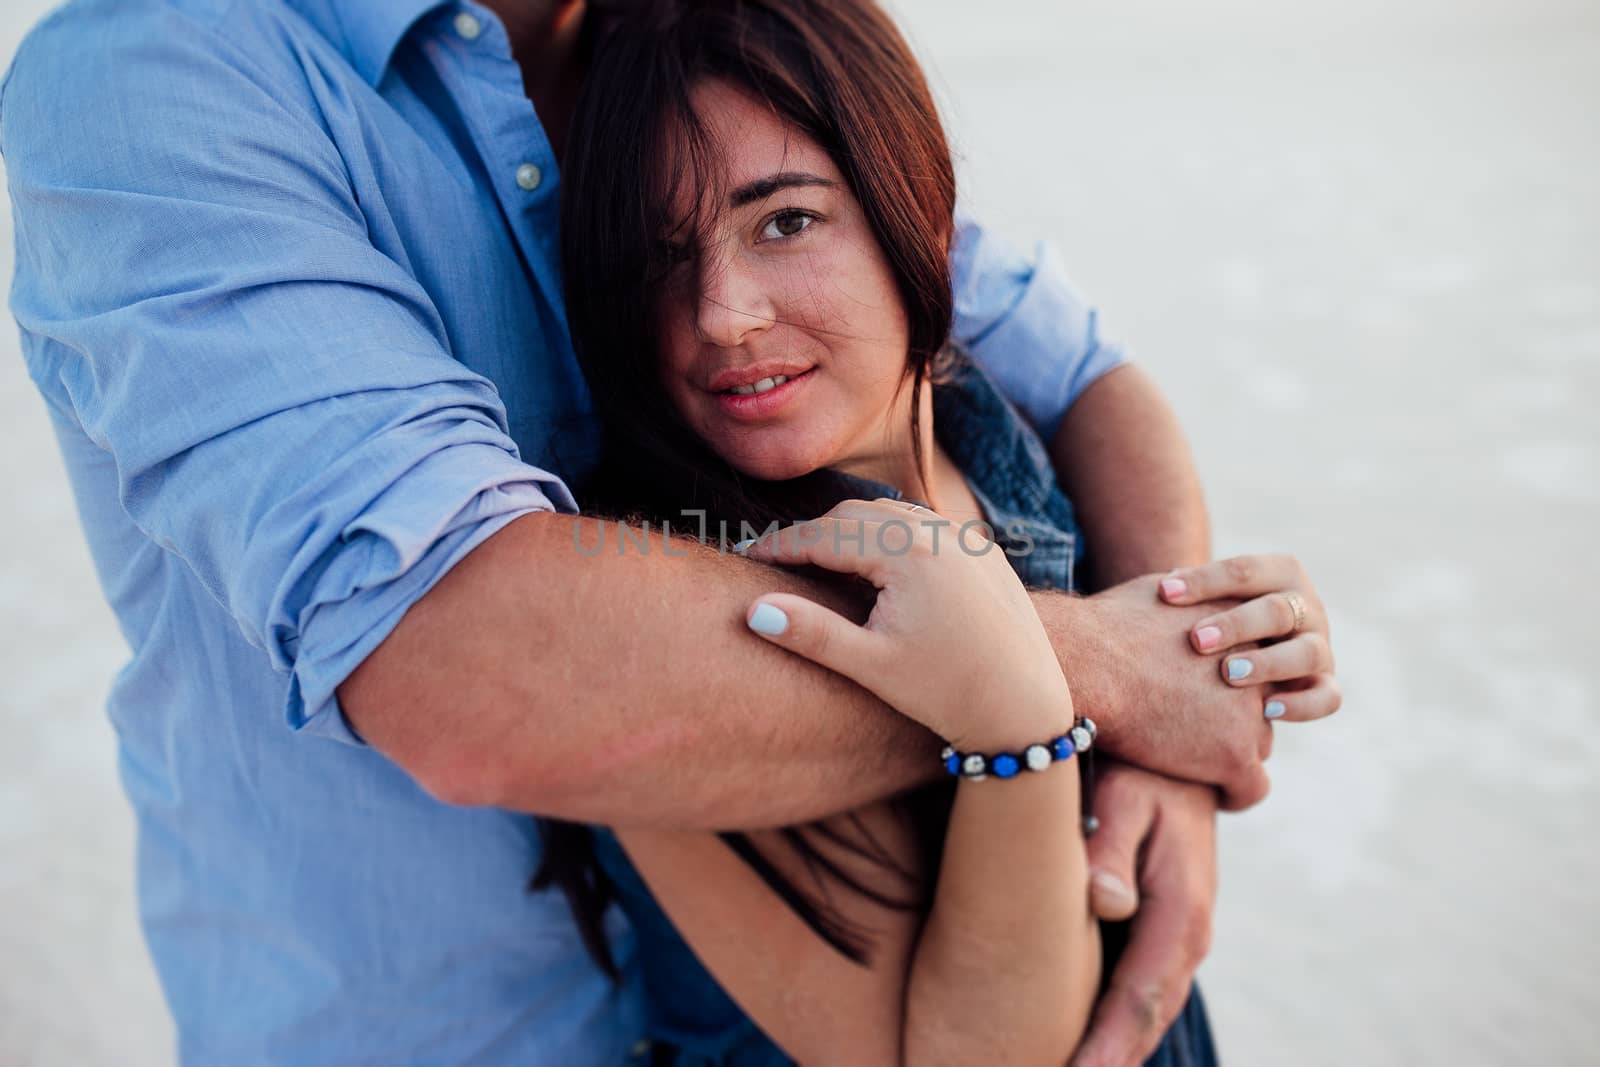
pixel 456 185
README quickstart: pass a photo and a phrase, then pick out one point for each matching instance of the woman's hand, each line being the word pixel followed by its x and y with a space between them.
pixel 1283 612
pixel 953 640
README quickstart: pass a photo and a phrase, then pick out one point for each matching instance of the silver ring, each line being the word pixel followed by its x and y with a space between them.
pixel 1298 606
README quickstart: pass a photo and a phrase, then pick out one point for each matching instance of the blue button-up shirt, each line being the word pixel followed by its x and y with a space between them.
pixel 286 278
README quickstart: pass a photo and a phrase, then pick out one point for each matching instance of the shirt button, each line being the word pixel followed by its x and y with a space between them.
pixel 529 176
pixel 468 26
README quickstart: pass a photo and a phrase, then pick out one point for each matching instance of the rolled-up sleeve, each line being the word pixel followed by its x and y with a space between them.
pixel 195 286
pixel 1029 326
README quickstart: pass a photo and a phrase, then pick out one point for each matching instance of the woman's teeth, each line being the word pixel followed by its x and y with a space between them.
pixel 760 387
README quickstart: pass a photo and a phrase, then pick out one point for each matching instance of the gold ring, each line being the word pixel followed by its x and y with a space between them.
pixel 1298 606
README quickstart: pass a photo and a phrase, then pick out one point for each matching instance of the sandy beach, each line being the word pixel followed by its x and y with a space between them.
pixel 1359 245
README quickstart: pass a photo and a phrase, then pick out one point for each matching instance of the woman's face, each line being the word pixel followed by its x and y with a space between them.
pixel 783 334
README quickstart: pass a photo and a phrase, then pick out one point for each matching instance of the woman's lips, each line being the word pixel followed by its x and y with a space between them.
pixel 756 406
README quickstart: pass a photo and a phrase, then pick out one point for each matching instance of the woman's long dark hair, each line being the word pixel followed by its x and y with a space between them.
pixel 836 71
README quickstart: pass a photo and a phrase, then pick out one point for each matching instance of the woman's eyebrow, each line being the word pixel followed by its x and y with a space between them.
pixel 761 188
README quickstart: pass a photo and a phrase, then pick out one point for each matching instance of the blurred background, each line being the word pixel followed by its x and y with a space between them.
pixel 1359 244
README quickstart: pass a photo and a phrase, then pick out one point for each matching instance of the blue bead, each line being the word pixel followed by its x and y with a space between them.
pixel 1004 765
pixel 1062 748
pixel 953 763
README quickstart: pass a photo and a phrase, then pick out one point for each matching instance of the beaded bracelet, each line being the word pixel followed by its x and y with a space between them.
pixel 975 766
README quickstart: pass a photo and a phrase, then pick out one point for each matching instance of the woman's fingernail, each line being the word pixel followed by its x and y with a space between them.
pixel 769 619
pixel 1239 668
pixel 1275 709
pixel 742 547
pixel 1173 588
pixel 1207 637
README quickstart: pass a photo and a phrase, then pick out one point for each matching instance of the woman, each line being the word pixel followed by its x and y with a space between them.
pixel 756 243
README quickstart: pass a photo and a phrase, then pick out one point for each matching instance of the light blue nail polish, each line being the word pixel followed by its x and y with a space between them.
pixel 742 547
pixel 1275 709
pixel 1239 668
pixel 768 619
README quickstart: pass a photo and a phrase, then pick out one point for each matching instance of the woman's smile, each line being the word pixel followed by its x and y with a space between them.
pixel 765 397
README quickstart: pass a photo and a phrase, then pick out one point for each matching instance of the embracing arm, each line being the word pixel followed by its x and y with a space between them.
pixel 622 687
pixel 1124 462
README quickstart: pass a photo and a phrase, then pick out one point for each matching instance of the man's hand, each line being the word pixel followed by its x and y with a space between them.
pixel 1161 705
pixel 1168 829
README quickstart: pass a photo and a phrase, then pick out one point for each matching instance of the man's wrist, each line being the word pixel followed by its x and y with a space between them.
pixel 1084 639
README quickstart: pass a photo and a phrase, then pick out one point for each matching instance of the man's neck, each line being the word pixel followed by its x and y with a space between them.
pixel 545 40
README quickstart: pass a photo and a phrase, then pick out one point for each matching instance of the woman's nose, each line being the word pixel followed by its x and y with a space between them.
pixel 733 305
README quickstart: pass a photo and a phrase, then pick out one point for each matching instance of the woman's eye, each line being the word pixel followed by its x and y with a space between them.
pixel 786 224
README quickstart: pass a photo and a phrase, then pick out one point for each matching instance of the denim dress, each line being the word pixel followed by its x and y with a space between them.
pixel 689 1020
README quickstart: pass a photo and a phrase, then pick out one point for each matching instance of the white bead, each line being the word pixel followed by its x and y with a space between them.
pixel 1088 724
pixel 947 753
pixel 467 26
pixel 529 176
pixel 1081 738
pixel 1037 757
pixel 974 767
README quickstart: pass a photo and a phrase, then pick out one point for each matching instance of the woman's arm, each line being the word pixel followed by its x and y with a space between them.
pixel 1005 966
pixel 814 1002
pixel 1003 969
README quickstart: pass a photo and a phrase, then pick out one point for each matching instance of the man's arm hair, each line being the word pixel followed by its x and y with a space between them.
pixel 621 686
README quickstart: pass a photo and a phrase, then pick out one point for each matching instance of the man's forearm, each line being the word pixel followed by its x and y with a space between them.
pixel 1123 460
pixel 623 688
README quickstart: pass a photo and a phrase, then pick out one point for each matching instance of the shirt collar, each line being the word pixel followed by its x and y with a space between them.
pixel 373 29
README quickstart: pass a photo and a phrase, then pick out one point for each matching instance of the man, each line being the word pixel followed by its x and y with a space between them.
pixel 286 279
